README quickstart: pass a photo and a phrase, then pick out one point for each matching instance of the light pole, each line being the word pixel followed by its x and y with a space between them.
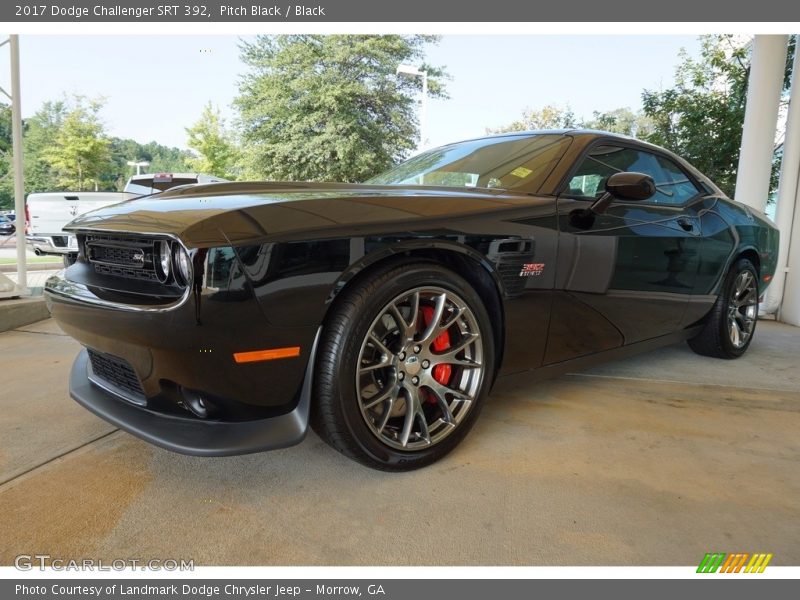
pixel 415 72
pixel 138 165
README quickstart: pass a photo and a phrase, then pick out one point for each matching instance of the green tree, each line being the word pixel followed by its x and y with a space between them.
pixel 162 159
pixel 330 107
pixel 6 186
pixel 213 143
pixel 80 152
pixel 700 117
pixel 620 120
pixel 5 128
pixel 547 117
pixel 38 132
pixel 45 126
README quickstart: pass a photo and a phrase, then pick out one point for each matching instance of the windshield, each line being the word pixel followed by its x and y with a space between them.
pixel 506 162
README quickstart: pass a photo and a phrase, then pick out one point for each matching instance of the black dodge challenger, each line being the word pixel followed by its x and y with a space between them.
pixel 225 318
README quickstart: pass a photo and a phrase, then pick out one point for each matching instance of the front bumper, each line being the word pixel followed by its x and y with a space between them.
pixel 188 344
pixel 193 436
pixel 160 361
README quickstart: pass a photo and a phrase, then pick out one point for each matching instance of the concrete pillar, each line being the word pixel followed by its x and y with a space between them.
pixel 787 191
pixel 760 119
pixel 790 307
pixel 19 186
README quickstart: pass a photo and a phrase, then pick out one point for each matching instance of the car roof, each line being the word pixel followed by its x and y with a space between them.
pixel 573 132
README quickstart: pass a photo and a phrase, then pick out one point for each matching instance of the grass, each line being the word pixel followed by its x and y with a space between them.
pixel 31 260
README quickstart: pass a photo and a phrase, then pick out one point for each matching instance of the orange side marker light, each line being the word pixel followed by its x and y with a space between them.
pixel 271 354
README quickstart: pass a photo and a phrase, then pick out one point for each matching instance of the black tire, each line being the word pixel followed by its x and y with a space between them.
pixel 339 415
pixel 716 339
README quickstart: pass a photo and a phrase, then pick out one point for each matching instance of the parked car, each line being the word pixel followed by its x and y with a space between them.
pixel 49 212
pixel 222 319
pixel 7 226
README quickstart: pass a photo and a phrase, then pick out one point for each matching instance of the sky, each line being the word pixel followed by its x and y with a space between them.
pixel 156 86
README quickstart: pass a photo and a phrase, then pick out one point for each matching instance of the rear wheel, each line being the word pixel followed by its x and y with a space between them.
pixel 730 326
pixel 404 364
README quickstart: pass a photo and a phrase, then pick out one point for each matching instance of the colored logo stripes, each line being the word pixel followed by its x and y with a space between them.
pixel 734 563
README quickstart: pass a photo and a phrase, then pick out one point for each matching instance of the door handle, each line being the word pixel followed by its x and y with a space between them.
pixel 686 224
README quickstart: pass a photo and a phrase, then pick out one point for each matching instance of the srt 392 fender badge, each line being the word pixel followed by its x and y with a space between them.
pixel 531 269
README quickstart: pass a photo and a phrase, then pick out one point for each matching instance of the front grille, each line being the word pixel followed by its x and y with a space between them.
pixel 122 256
pixel 118 373
pixel 130 256
pixel 148 275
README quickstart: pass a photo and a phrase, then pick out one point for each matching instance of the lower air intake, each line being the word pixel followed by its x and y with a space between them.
pixel 116 375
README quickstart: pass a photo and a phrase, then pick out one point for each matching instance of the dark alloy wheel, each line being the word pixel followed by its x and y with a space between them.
pixel 420 368
pixel 404 364
pixel 742 309
pixel 730 326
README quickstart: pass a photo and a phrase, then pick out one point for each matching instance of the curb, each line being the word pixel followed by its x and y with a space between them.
pixel 22 311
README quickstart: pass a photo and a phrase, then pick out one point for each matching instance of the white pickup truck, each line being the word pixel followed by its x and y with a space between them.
pixel 48 212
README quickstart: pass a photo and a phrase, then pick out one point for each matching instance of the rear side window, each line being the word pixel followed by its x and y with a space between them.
pixel 143 190
pixel 149 186
pixel 673 187
pixel 165 185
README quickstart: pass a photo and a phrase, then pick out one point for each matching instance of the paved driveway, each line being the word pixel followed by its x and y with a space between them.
pixel 650 461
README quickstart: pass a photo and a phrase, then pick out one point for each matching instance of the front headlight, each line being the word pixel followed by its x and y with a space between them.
pixel 183 264
pixel 164 257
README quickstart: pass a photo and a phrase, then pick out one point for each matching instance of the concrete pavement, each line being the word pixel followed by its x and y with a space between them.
pixel 654 460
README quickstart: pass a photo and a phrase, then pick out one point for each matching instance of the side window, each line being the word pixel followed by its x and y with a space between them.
pixel 673 187
pixel 590 179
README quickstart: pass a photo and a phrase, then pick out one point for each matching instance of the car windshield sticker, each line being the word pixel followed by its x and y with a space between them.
pixel 521 172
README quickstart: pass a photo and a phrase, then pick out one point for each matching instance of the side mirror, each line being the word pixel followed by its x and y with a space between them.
pixel 631 186
pixel 625 186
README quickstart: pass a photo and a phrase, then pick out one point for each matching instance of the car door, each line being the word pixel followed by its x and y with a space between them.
pixel 625 275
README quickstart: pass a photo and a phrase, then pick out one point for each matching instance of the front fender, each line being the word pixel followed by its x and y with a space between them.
pixel 411 247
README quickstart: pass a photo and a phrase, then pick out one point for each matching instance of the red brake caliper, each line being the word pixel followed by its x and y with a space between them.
pixel 441 373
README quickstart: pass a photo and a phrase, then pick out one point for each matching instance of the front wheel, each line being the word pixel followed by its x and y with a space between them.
pixel 405 361
pixel 730 326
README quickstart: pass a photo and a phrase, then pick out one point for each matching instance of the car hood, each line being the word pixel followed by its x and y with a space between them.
pixel 241 213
